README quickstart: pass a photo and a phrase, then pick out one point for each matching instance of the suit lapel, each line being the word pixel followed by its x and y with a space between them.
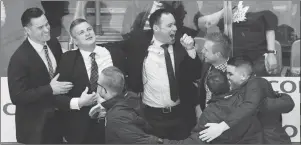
pixel 80 70
pixel 178 56
pixel 205 69
pixel 53 50
pixel 36 60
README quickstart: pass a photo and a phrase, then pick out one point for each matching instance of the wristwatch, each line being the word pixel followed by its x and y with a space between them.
pixel 272 51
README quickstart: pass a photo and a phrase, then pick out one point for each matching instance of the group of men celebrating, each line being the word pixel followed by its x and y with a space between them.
pixel 152 89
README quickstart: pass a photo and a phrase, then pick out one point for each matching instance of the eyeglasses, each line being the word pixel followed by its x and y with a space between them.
pixel 102 87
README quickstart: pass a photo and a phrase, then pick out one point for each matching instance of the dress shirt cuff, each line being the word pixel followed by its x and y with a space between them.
pixel 224 125
pixel 191 53
pixel 154 140
pixel 74 104
pixel 3 14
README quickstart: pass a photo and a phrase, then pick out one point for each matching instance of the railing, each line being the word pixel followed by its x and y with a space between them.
pixel 101 28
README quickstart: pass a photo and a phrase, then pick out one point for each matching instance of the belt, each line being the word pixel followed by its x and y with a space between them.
pixel 164 110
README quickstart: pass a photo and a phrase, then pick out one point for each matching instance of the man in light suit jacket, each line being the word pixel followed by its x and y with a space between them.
pixel 82 67
pixel 32 84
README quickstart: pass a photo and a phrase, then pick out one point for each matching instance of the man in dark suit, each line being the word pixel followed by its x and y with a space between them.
pixel 216 52
pixel 82 67
pixel 159 67
pixel 32 84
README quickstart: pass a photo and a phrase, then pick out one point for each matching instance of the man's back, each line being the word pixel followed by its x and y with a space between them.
pixel 125 122
pixel 270 118
pixel 217 111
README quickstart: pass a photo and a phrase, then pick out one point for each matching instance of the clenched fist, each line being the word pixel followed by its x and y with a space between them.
pixel 187 41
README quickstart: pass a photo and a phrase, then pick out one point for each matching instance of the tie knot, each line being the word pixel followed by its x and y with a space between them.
pixel 92 55
pixel 164 46
pixel 45 47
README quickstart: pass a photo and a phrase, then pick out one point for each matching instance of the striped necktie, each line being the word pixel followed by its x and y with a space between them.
pixel 50 68
pixel 94 73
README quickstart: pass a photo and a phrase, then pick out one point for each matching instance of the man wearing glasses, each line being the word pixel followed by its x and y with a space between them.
pixel 124 120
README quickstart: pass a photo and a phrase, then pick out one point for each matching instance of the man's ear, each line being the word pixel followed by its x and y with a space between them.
pixel 156 28
pixel 74 41
pixel 244 75
pixel 241 73
pixel 26 30
pixel 218 54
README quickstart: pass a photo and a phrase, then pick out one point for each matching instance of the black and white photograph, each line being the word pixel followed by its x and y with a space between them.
pixel 150 72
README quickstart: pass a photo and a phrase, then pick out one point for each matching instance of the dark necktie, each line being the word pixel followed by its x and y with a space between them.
pixel 171 75
pixel 50 71
pixel 94 73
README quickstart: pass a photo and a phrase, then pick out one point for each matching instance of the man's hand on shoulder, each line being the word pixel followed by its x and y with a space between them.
pixel 213 131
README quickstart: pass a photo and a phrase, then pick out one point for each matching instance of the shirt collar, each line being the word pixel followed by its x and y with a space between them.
pixel 156 42
pixel 222 67
pixel 86 54
pixel 38 47
pixel 157 46
pixel 108 104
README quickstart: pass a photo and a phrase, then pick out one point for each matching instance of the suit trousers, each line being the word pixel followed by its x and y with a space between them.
pixel 171 125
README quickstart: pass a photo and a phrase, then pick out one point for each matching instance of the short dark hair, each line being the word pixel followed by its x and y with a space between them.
pixel 222 41
pixel 75 23
pixel 177 9
pixel 217 82
pixel 114 79
pixel 239 61
pixel 156 16
pixel 29 14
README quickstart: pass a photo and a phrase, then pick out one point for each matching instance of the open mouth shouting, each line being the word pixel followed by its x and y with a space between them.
pixel 89 38
pixel 172 36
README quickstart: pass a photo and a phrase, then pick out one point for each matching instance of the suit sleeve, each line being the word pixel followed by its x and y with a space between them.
pixel 253 98
pixel 19 82
pixel 191 71
pixel 192 67
pixel 282 104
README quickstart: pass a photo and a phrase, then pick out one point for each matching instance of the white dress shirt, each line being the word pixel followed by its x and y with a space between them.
pixel 3 13
pixel 155 78
pixel 40 50
pixel 103 60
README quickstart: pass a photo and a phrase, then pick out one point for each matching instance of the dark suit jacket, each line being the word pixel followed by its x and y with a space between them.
pixel 265 127
pixel 72 69
pixel 136 50
pixel 125 122
pixel 201 99
pixel 271 119
pixel 29 88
